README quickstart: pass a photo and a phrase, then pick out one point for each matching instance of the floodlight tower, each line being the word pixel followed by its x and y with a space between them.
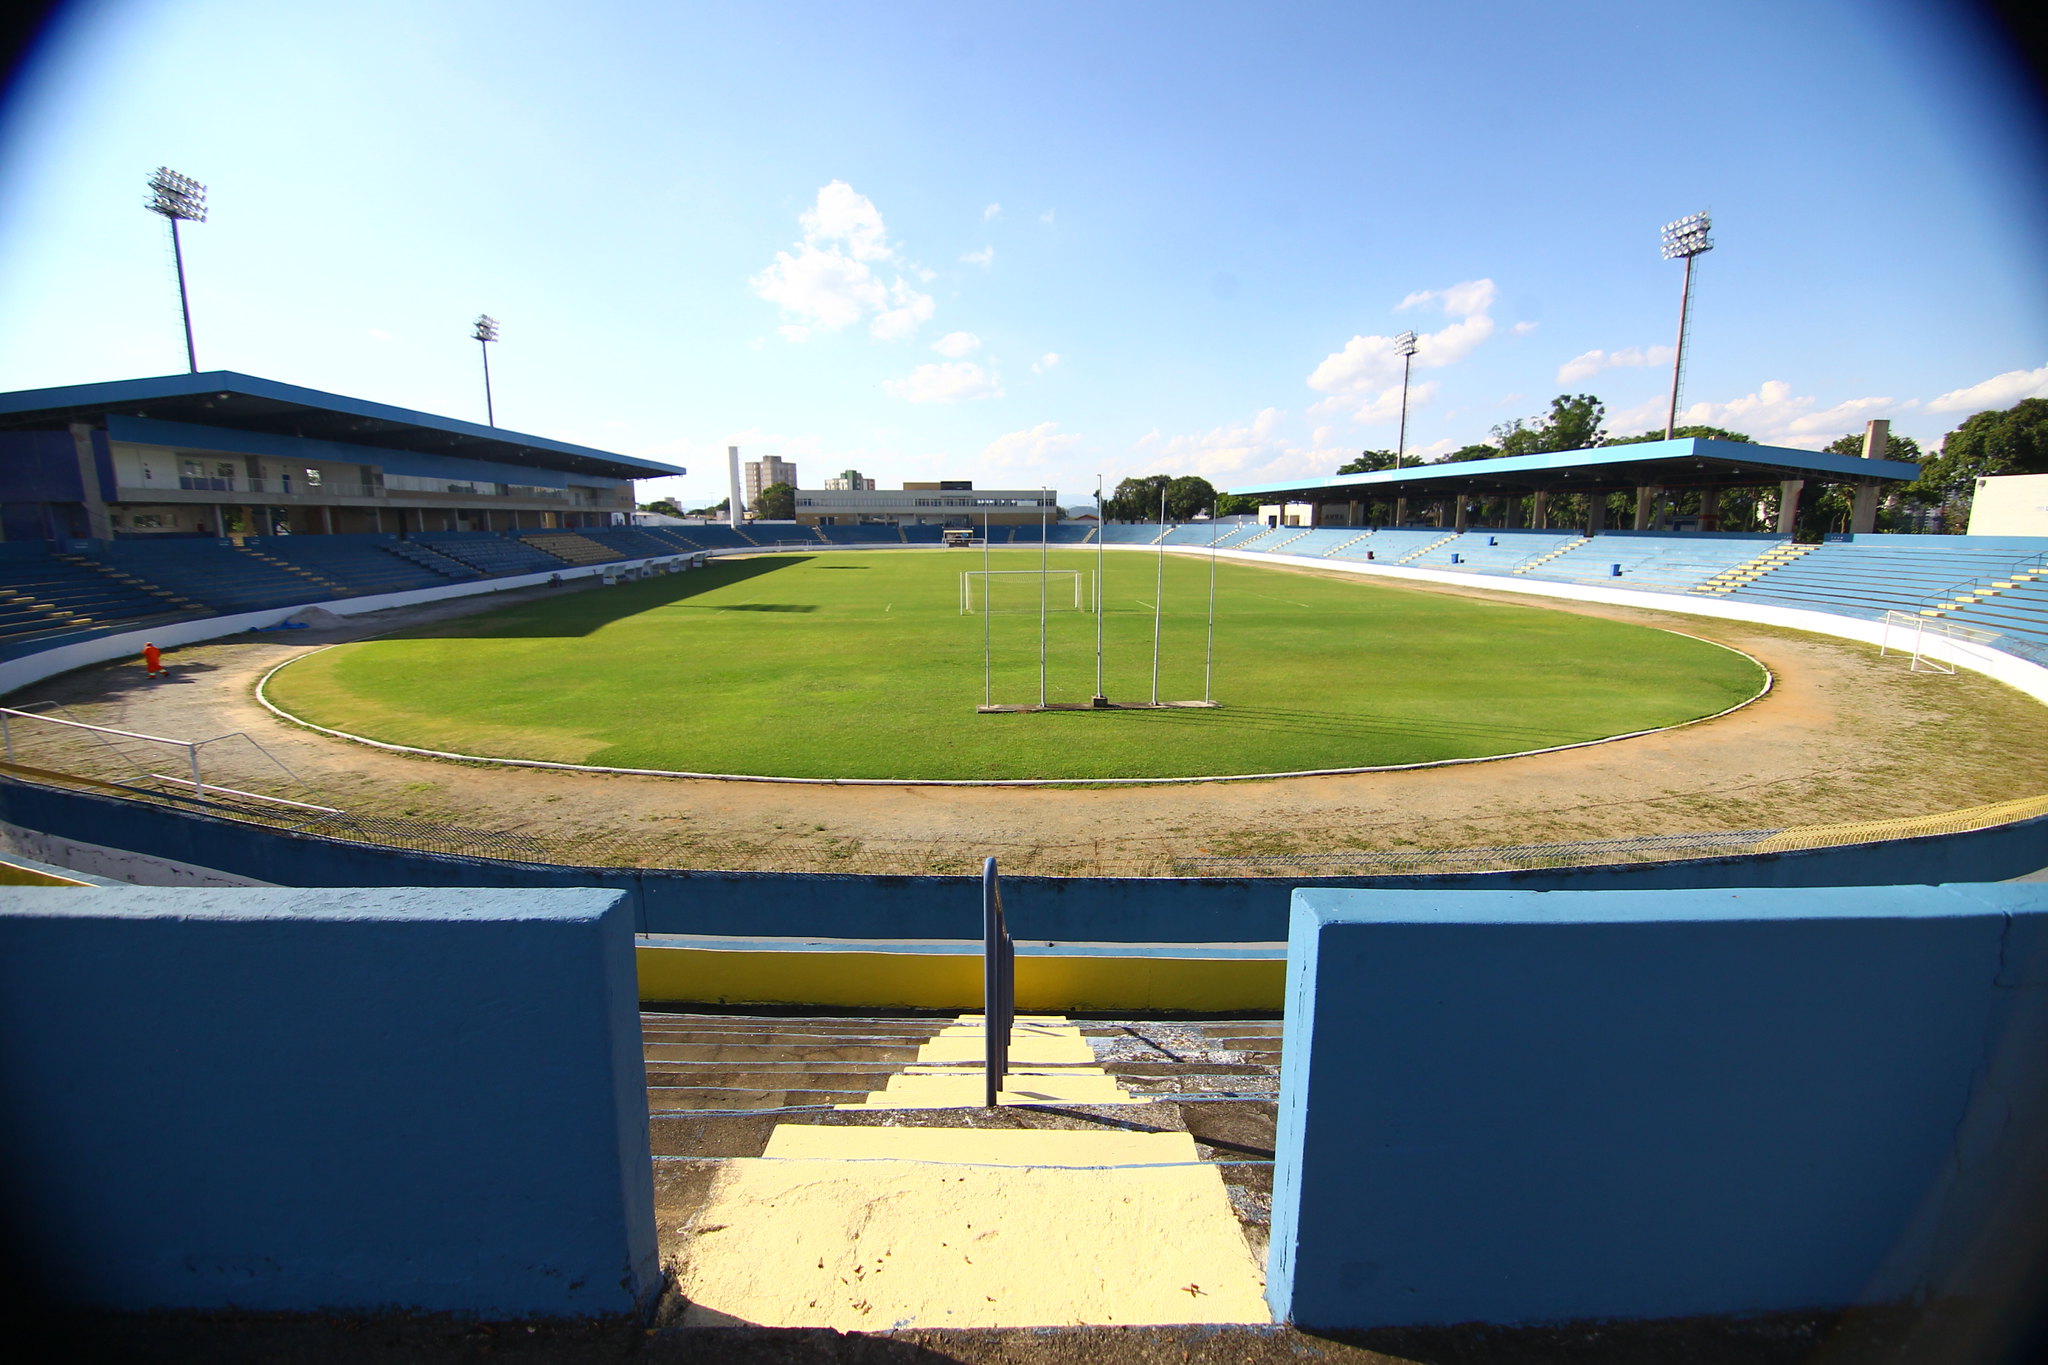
pixel 487 332
pixel 179 198
pixel 1685 238
pixel 1404 346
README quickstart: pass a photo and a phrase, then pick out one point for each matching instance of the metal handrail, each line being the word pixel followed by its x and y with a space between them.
pixel 998 984
pixel 2031 564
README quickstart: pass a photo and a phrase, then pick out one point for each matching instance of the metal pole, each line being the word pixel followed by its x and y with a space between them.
pixel 7 734
pixel 1158 594
pixel 1678 352
pixel 198 790
pixel 490 412
pixel 184 303
pixel 1101 529
pixel 1044 569
pixel 1209 654
pixel 987 613
pixel 1401 445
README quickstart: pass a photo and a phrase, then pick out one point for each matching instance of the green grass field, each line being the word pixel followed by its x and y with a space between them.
pixel 860 665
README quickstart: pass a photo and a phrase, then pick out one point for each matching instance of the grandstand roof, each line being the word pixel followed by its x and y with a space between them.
pixel 223 398
pixel 1684 462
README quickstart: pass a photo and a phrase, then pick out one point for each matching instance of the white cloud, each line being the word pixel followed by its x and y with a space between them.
pixel 953 345
pixel 991 213
pixel 1257 451
pixel 983 257
pixel 1773 414
pixel 379 334
pixel 955 381
pixel 1590 363
pixel 1522 329
pixel 1364 379
pixel 1029 448
pixel 830 280
pixel 1459 301
pixel 1046 217
pixel 1045 362
pixel 794 333
pixel 1999 391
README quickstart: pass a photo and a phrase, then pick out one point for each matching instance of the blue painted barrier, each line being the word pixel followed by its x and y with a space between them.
pixel 285 1100
pixel 1067 909
pixel 1531 1108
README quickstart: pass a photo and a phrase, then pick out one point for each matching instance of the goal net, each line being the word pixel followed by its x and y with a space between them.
pixel 1019 592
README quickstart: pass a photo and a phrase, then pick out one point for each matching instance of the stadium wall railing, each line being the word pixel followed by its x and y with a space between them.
pixel 306 1100
pixel 1522 1108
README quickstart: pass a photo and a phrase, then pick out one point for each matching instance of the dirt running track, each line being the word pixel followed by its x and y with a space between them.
pixel 1843 736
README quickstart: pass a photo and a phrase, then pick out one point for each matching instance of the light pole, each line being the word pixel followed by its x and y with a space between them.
pixel 1404 344
pixel 179 198
pixel 1685 238
pixel 487 332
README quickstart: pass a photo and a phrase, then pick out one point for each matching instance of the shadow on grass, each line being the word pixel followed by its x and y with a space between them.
pixel 575 614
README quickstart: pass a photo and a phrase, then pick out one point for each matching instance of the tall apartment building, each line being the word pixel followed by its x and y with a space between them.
pixel 765 471
pixel 850 481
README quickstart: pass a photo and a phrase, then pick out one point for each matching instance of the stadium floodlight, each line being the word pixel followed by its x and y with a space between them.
pixel 1404 346
pixel 179 199
pixel 487 332
pixel 1683 239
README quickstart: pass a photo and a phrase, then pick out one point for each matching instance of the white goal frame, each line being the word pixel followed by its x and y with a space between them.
pixel 1083 600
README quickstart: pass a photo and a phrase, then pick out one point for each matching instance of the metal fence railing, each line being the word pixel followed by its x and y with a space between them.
pixel 998 984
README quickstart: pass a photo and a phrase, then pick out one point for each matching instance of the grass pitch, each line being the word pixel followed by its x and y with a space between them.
pixel 855 664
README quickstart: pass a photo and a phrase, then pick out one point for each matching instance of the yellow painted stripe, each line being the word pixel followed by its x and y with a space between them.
pixel 10 875
pixel 953 980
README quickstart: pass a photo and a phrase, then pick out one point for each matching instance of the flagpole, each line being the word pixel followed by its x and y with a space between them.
pixel 1043 570
pixel 1158 594
pixel 1209 655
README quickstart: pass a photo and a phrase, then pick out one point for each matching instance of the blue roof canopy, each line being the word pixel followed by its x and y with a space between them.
pixel 1679 463
pixel 223 398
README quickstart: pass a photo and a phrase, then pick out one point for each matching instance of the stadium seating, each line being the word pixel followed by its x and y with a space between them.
pixel 922 535
pixel 490 554
pixel 1130 532
pixel 1649 562
pixel 352 564
pixel 858 535
pixel 48 599
pixel 631 540
pixel 570 547
pixel 223 577
pixel 1389 545
pixel 1869 578
pixel 433 561
pixel 1493 551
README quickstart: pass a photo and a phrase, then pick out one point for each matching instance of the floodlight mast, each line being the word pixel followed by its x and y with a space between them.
pixel 487 332
pixel 1404 346
pixel 1685 238
pixel 179 198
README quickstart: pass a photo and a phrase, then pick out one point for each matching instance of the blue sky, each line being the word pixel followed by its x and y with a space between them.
pixel 1030 244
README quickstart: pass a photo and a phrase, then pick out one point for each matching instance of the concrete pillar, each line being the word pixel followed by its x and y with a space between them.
pixel 98 524
pixel 487 520
pixel 1788 505
pixel 1646 505
pixel 735 509
pixel 1539 511
pixel 1863 512
pixel 327 520
pixel 1400 511
pixel 1877 436
pixel 1511 511
pixel 1710 509
pixel 1596 513
pixel 1459 523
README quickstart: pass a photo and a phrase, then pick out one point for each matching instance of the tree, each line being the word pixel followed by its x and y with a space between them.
pixel 1189 496
pixel 1474 452
pixel 716 510
pixel 1679 433
pixel 776 502
pixel 1369 462
pixel 2013 440
pixel 1573 423
pixel 665 506
pixel 1236 505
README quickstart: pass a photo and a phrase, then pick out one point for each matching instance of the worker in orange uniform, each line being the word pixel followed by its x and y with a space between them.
pixel 153 659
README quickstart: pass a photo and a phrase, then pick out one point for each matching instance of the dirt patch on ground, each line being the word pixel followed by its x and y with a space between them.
pixel 1843 736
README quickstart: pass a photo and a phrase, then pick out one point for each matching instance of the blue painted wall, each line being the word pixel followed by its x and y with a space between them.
pixel 1088 909
pixel 299 1100
pixel 1525 1107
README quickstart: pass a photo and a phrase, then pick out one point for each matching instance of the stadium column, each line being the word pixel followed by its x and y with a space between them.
pixel 1788 505
pixel 1539 512
pixel 1863 512
pixel 1710 509
pixel 1646 505
pixel 1458 520
pixel 1351 514
pixel 91 492
pixel 1596 513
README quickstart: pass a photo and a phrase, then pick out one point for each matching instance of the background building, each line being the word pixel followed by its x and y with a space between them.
pixel 769 469
pixel 947 502
pixel 850 480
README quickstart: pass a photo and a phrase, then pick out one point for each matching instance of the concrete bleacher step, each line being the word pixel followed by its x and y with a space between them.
pixel 1280 545
pixel 287 566
pixel 1436 544
pixel 1340 549
pixel 1540 560
pixel 1728 580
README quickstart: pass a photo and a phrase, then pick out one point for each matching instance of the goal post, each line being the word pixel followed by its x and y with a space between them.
pixel 1021 592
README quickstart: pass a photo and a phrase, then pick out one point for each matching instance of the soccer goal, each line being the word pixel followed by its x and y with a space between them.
pixel 1022 592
